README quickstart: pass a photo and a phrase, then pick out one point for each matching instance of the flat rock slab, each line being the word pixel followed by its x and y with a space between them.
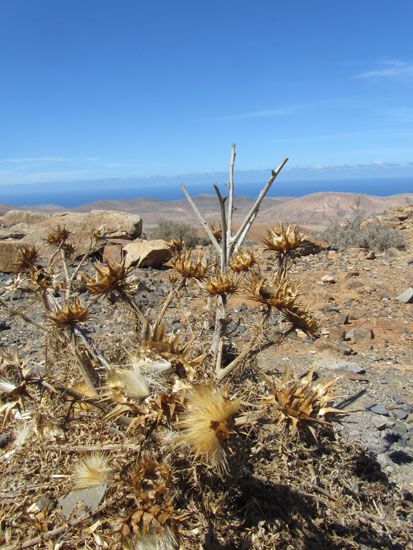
pixel 147 253
pixel 358 334
pixel 406 297
pixel 340 364
pixel 90 497
pixel 379 409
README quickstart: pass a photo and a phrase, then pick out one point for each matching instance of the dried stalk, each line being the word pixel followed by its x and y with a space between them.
pixel 166 304
pixel 230 197
pixel 201 220
pixel 236 241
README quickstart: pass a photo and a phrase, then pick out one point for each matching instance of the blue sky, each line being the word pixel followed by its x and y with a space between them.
pixel 120 88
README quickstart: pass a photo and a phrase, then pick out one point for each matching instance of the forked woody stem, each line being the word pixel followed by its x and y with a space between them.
pixel 229 244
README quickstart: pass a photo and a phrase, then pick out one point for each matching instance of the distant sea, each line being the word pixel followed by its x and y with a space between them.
pixel 82 192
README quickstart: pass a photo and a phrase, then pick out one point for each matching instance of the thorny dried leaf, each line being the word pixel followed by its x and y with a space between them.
pixel 283 239
pixel 221 283
pixel 71 313
pixel 300 401
pixel 188 267
pixel 108 278
pixel 243 260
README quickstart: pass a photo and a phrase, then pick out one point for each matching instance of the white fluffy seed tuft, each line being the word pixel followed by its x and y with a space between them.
pixel 91 470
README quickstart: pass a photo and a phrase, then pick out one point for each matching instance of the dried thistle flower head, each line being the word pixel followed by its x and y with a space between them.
pixel 216 231
pixel 57 235
pixel 207 423
pixel 278 293
pixel 109 277
pixel 70 314
pixel 130 382
pixel 283 239
pixel 301 318
pixel 170 347
pixel 28 257
pixel 91 470
pixel 242 260
pixel 176 244
pixel 41 278
pixel 68 248
pixel 150 479
pixel 152 520
pixel 221 283
pixel 188 267
pixel 301 401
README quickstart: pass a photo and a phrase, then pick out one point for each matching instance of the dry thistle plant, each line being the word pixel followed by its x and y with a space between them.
pixel 91 470
pixel 281 294
pixel 207 423
pixel 57 236
pixel 171 348
pixel 70 314
pixel 284 241
pixel 278 293
pixel 188 267
pixel 216 231
pixel 152 518
pixel 221 283
pixel 108 278
pixel 301 402
pixel 176 245
pixel 242 261
pixel 28 258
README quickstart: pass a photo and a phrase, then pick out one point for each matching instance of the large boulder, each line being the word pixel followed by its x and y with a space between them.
pixel 109 223
pixel 10 255
pixel 147 253
pixel 14 217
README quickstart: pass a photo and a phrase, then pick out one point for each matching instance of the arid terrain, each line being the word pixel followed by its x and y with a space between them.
pixel 351 487
pixel 316 209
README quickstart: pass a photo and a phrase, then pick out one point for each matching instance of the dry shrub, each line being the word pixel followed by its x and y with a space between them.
pixel 355 232
pixel 168 230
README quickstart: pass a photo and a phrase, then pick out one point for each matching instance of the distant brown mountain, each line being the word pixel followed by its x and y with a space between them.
pixel 315 209
pixel 322 208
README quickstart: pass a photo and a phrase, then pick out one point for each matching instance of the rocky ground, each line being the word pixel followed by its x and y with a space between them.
pixel 364 308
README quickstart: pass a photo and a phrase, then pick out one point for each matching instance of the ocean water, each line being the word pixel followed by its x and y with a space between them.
pixel 84 192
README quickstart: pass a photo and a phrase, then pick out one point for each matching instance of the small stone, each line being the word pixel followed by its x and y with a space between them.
pixel 379 409
pixel 358 334
pixel 4 439
pixel 406 297
pixel 90 496
pixel 4 326
pixel 343 319
pixel 409 262
pixel 383 424
pixel 400 414
pixel 328 279
pixel 399 400
pixel 371 255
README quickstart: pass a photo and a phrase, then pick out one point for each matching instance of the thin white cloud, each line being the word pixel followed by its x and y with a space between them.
pixel 31 160
pixel 389 69
pixel 45 160
pixel 257 114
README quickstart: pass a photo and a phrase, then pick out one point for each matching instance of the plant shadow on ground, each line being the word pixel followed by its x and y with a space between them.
pixel 303 514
